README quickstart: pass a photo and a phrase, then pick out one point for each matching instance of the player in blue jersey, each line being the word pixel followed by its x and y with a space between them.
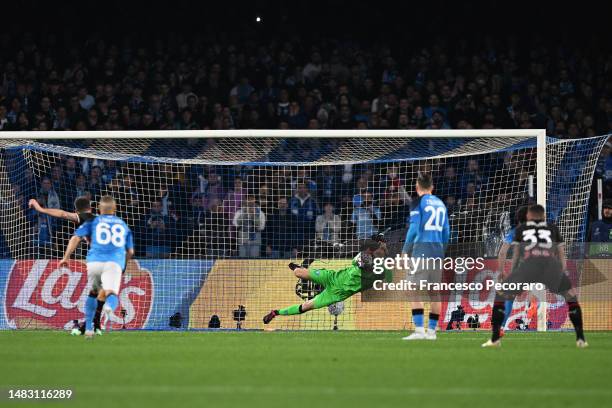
pixel 82 213
pixel 520 218
pixel 110 241
pixel 426 242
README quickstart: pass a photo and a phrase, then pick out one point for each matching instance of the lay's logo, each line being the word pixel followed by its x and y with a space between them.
pixel 39 294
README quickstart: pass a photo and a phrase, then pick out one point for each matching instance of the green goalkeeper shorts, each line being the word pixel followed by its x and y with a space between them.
pixel 339 285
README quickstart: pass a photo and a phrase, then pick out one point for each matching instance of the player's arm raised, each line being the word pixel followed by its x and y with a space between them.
pixel 53 212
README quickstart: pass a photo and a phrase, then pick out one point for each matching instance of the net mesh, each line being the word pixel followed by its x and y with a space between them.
pixel 217 221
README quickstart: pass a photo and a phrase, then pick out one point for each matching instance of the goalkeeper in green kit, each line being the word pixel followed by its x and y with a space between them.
pixel 341 284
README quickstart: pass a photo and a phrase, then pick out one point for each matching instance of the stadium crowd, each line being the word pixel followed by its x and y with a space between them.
pixel 176 83
pixel 288 84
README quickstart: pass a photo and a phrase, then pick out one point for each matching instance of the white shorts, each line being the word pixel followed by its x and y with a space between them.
pixel 104 275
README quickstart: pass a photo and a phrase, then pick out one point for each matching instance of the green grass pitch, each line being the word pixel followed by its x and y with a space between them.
pixel 308 369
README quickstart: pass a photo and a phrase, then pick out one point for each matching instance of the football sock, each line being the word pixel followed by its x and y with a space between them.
pixel 291 310
pixel 575 315
pixel 417 317
pixel 507 311
pixel 496 319
pixel 433 321
pixel 90 311
pixel 112 301
pixel 98 314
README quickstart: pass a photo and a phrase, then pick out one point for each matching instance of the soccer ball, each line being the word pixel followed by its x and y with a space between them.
pixel 336 309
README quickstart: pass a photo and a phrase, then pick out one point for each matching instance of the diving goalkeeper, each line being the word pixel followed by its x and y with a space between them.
pixel 339 285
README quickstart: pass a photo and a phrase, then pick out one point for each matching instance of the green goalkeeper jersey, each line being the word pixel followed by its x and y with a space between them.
pixel 360 275
pixel 343 283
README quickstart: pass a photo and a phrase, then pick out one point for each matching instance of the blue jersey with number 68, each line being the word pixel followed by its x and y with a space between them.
pixel 429 230
pixel 109 239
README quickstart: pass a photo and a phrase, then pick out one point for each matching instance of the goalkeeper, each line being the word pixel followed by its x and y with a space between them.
pixel 339 285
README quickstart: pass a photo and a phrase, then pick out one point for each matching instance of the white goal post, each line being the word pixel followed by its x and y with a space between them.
pixel 539 134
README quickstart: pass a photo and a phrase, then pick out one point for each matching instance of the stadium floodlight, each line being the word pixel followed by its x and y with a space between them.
pixel 195 199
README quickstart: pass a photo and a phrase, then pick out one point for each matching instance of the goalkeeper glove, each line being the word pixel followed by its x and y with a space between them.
pixel 380 237
pixel 305 264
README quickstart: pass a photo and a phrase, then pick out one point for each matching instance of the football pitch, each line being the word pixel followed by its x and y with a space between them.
pixel 307 369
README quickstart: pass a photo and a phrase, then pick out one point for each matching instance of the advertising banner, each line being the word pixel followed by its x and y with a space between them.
pixel 39 294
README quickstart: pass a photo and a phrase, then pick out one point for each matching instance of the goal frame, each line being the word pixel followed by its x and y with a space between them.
pixel 539 134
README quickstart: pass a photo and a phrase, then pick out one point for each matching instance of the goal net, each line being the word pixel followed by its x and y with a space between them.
pixel 217 220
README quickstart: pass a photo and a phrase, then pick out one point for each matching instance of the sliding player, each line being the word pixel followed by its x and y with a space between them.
pixel 112 243
pixel 538 257
pixel 82 213
pixel 426 238
pixel 339 285
pixel 520 218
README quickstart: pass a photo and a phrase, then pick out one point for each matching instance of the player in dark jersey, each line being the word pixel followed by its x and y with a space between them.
pixel 538 257
pixel 82 214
